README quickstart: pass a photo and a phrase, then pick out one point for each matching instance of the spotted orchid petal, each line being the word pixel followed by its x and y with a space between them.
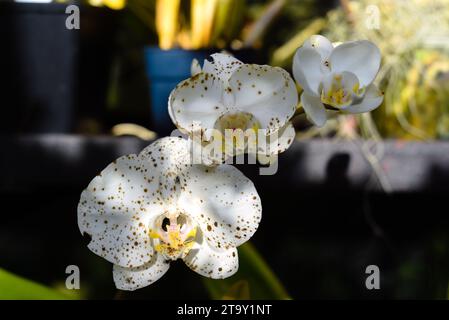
pixel 197 101
pixel 276 143
pixel 285 137
pixel 224 203
pixel 321 44
pixel 167 159
pixel 373 98
pixel 308 70
pixel 131 279
pixel 314 109
pixel 222 66
pixel 119 204
pixel 359 57
pixel 167 156
pixel 212 263
pixel 267 93
pixel 116 209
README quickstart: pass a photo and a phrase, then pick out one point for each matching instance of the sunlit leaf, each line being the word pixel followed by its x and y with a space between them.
pixel 238 291
pixel 13 287
pixel 254 280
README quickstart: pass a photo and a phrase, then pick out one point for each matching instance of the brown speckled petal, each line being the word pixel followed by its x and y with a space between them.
pixel 278 141
pixel 224 203
pixel 212 263
pixel 170 158
pixel 268 93
pixel 197 102
pixel 131 279
pixel 116 209
pixel 222 66
pixel 119 204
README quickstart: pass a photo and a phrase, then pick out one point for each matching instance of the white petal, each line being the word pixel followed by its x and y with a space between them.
pixel 118 206
pixel 197 102
pixel 314 109
pixel 372 99
pixel 116 209
pixel 195 68
pixel 223 202
pixel 286 136
pixel 268 93
pixel 264 159
pixel 359 57
pixel 277 142
pixel 136 278
pixel 307 70
pixel 168 155
pixel 321 44
pixel 222 66
pixel 212 263
pixel 167 158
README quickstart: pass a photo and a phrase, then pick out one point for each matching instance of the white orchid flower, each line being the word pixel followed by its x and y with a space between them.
pixel 227 94
pixel 337 77
pixel 146 210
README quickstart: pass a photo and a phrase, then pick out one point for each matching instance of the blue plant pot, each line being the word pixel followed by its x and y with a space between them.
pixel 165 69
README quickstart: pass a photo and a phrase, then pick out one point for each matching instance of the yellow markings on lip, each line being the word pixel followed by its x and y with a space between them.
pixel 154 235
pixel 173 243
pixel 191 234
pixel 334 97
pixel 175 239
pixel 337 95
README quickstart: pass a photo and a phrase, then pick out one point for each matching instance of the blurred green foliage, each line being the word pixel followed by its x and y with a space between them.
pixel 254 280
pixel 412 36
pixel 13 287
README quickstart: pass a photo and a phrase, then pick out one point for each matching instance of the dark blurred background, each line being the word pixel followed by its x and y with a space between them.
pixel 329 212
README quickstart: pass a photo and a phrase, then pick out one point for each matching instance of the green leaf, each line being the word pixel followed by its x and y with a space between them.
pixel 13 287
pixel 238 291
pixel 254 280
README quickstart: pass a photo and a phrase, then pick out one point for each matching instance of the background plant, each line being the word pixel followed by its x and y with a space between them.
pixel 413 38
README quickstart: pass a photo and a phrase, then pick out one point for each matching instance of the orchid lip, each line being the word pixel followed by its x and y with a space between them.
pixel 173 235
pixel 237 120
